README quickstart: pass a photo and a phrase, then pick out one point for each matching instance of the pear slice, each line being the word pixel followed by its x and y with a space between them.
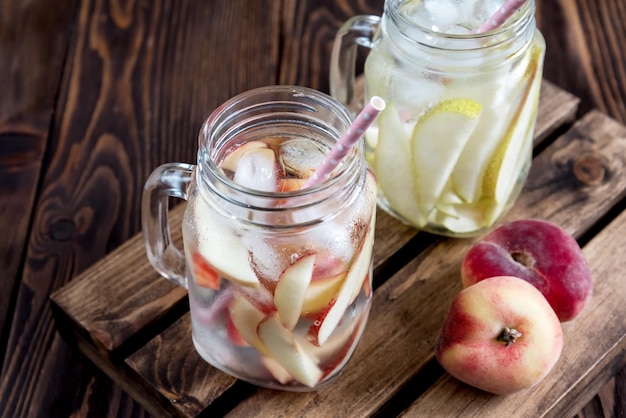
pixel 503 168
pixel 394 166
pixel 436 144
pixel 285 350
pixel 292 288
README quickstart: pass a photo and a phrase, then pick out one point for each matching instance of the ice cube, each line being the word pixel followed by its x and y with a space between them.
pixel 415 12
pixel 301 157
pixel 415 93
pixel 443 13
pixel 266 258
pixel 256 170
pixel 483 10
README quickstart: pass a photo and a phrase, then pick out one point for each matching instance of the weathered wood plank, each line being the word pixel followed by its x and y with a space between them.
pixel 140 79
pixel 585 40
pixel 33 42
pixel 409 308
pixel 309 29
pixel 181 376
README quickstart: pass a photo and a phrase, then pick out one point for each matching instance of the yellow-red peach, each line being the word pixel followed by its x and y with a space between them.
pixel 500 335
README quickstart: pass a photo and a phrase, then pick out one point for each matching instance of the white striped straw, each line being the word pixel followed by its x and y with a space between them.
pixel 355 132
pixel 499 17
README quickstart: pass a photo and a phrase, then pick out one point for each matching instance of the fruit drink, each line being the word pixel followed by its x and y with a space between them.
pixel 279 297
pixel 452 149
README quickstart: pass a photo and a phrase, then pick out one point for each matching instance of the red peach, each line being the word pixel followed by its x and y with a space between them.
pixel 539 252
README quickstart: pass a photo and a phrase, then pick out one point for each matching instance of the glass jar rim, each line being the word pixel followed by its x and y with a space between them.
pixel 493 38
pixel 303 101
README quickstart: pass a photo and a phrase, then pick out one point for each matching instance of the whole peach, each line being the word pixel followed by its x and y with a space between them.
pixel 539 252
pixel 500 335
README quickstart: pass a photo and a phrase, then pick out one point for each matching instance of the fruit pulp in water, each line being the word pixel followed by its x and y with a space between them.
pixel 280 310
pixel 453 148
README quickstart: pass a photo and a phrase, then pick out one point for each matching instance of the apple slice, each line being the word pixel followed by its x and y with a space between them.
pixel 232 159
pixel 284 349
pixel 246 318
pixel 222 249
pixel 291 290
pixel 328 320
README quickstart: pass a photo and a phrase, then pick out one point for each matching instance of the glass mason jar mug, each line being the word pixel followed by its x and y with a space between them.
pixel 279 276
pixel 453 147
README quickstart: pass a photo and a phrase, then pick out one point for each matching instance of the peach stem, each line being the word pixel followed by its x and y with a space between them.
pixel 508 336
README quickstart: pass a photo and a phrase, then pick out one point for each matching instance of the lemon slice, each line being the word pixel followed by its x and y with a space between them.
pixel 436 144
pixel 394 167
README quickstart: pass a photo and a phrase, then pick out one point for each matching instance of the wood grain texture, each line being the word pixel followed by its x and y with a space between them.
pixel 585 51
pixel 178 372
pixel 111 315
pixel 308 32
pixel 585 55
pixel 33 43
pixel 140 78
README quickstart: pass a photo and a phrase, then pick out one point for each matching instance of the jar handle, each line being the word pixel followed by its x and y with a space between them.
pixel 358 30
pixel 168 180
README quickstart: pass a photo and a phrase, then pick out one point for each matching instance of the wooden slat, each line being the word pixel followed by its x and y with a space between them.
pixel 409 308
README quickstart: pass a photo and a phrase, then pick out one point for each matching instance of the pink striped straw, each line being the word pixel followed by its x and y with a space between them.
pixel 355 132
pixel 499 17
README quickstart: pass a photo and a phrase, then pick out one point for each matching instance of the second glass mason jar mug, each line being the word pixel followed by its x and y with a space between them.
pixel 279 277
pixel 453 147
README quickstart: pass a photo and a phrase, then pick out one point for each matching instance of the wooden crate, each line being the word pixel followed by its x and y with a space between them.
pixel 135 325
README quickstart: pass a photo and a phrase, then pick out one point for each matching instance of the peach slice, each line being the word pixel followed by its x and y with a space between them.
pixel 246 317
pixel 291 290
pixel 222 249
pixel 233 334
pixel 290 184
pixel 276 370
pixel 328 320
pixel 284 349
pixel 232 159
pixel 321 292
pixel 203 274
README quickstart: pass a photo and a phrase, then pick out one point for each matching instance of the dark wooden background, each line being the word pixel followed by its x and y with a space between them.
pixel 96 93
